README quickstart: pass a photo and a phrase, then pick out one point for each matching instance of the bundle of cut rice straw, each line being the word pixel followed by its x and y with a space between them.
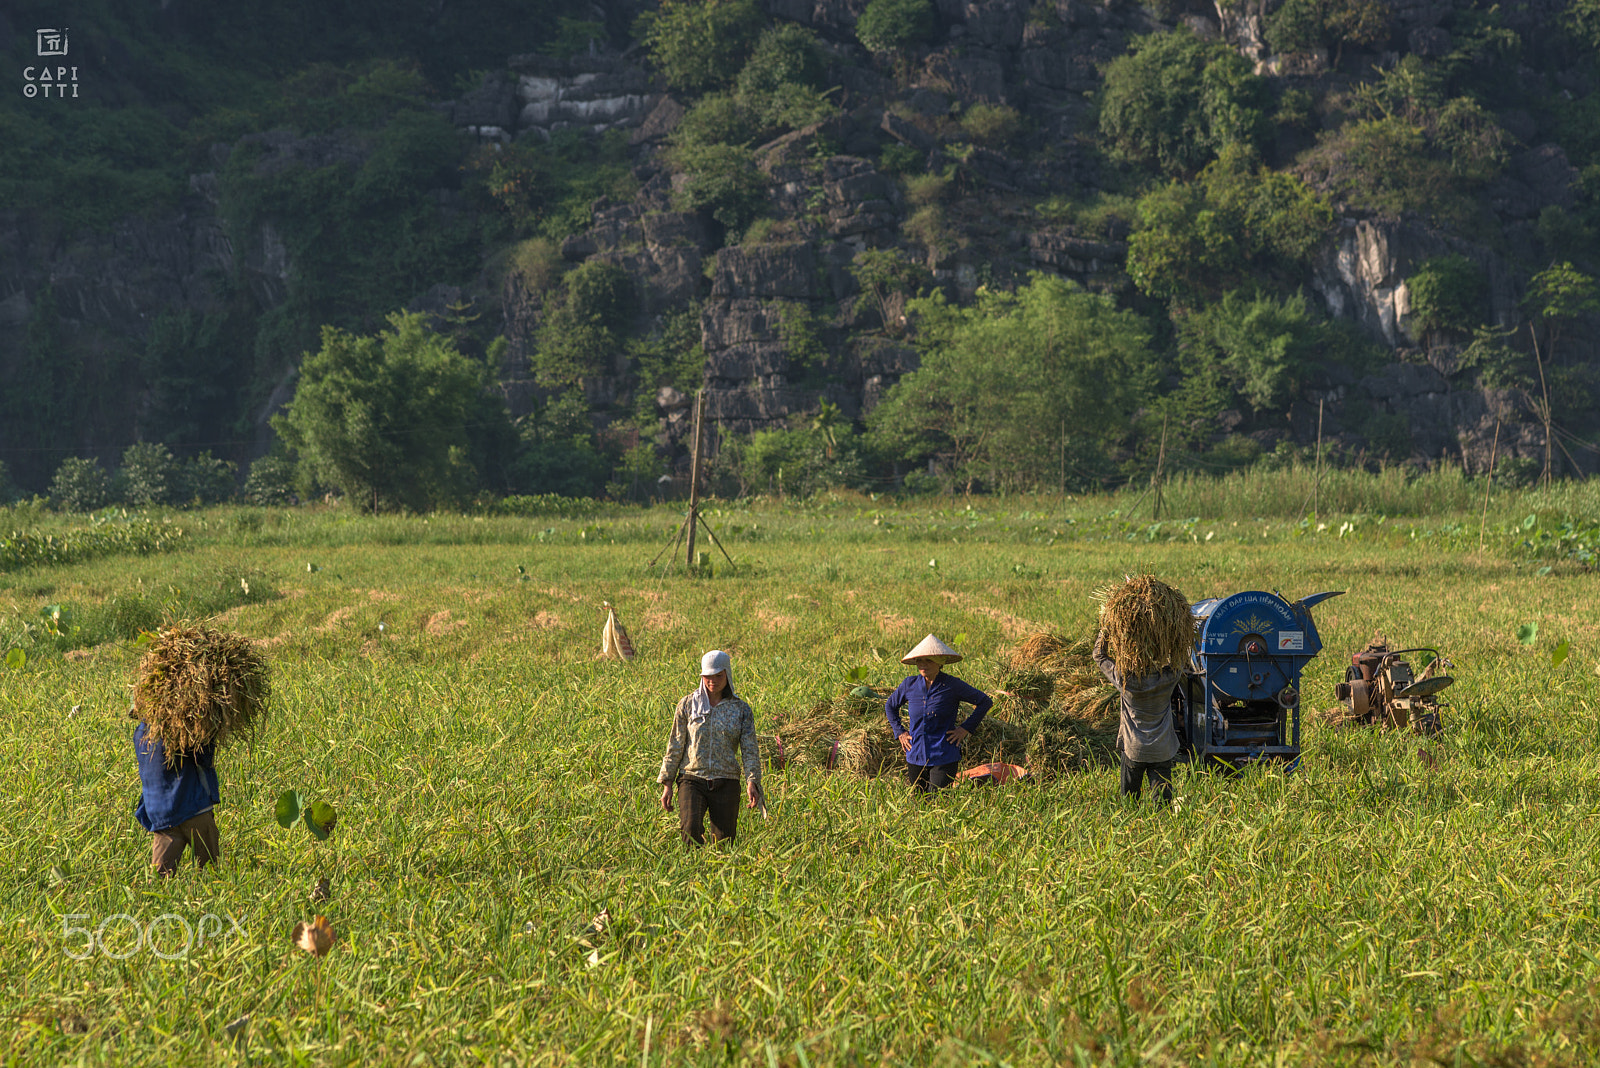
pixel 198 686
pixel 1074 726
pixel 1148 626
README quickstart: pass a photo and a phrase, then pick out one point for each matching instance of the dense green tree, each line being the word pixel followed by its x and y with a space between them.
pixel 1194 240
pixel 1175 100
pixel 798 463
pixel 722 181
pixel 1411 146
pixel 80 485
pixel 399 419
pixel 1263 346
pixel 887 25
pixel 1008 384
pixel 699 44
pixel 150 474
pixel 584 322
pixel 781 84
pixel 556 450
pixel 271 480
pixel 1447 296
pixel 1558 295
pixel 1305 25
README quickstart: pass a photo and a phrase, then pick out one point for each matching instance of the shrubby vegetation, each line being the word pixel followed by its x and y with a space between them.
pixel 395 420
pixel 1194 240
pixel 886 25
pixel 1223 188
pixel 778 88
pixel 103 537
pixel 699 44
pixel 1175 101
pixel 1019 383
pixel 1411 146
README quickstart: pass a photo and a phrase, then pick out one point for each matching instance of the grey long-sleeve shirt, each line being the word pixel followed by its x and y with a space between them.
pixel 1145 733
pixel 720 746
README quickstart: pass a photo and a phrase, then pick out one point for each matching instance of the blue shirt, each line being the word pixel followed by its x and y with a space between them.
pixel 931 709
pixel 171 795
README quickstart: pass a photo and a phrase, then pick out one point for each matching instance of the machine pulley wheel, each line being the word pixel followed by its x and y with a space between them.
pixel 1360 702
pixel 1426 687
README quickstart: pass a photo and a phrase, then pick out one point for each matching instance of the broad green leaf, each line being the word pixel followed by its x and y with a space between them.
pixel 288 808
pixel 1530 522
pixel 145 638
pixel 1560 653
pixel 1528 633
pixel 320 819
pixel 16 660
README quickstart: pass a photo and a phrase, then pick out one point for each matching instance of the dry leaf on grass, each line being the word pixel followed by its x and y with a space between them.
pixel 316 937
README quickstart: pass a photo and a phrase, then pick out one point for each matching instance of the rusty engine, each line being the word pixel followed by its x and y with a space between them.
pixel 1380 688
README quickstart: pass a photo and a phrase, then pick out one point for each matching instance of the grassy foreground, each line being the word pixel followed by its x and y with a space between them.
pixel 436 681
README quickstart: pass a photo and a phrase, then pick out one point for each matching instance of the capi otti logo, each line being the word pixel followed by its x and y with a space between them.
pixel 46 80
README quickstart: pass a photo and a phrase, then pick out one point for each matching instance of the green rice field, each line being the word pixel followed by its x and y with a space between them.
pixel 436 679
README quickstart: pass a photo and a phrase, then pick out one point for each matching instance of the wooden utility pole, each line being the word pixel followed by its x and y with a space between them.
pixel 1494 451
pixel 694 475
pixel 1316 486
pixel 1062 489
pixel 1161 460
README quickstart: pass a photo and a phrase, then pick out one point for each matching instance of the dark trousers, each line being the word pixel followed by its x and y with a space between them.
pixel 1134 771
pixel 697 799
pixel 930 777
pixel 198 833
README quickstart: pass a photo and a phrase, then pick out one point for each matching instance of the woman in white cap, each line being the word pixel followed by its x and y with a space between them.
pixel 713 739
pixel 931 699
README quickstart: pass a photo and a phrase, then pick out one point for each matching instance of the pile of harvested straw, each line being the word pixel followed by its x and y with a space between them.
pixel 1148 626
pixel 1076 726
pixel 996 741
pixel 868 752
pixel 1027 684
pixel 198 687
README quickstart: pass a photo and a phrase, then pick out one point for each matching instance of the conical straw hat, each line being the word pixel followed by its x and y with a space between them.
pixel 933 649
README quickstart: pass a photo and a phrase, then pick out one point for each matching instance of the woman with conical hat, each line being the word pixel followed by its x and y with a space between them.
pixel 932 699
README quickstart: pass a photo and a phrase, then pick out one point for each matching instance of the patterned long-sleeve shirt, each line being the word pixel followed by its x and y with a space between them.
pixel 714 747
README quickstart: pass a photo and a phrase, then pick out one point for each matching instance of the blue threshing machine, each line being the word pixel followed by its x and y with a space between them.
pixel 1239 703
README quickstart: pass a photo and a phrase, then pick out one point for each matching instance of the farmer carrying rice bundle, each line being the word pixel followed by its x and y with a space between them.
pixel 931 698
pixel 198 689
pixel 1146 635
pixel 713 739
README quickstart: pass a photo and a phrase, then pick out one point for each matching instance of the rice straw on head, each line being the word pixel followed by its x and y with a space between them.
pixel 1148 626
pixel 198 686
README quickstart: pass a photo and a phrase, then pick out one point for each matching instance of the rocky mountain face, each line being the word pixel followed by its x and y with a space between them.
pixel 781 323
pixel 831 200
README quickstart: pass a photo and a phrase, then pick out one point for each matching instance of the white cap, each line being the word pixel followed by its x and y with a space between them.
pixel 931 648
pixel 714 661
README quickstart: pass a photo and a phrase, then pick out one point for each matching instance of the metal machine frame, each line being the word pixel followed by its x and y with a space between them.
pixel 1239 702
